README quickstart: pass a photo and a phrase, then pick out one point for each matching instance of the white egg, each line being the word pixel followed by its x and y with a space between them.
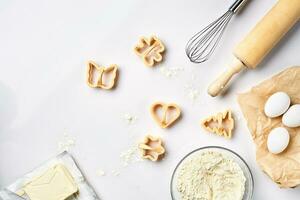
pixel 277 104
pixel 278 140
pixel 292 117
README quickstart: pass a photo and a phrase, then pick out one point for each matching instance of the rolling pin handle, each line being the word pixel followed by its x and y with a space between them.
pixel 217 86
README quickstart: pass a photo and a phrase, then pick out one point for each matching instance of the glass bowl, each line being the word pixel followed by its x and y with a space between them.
pixel 249 185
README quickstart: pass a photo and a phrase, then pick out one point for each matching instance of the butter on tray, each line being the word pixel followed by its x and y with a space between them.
pixel 59 178
pixel 55 184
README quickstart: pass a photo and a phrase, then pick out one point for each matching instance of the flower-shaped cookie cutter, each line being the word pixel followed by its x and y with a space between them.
pixel 222 124
pixel 168 117
pixel 152 148
pixel 96 75
pixel 150 50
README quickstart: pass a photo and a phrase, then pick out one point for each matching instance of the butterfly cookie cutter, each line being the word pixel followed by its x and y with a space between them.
pixel 150 50
pixel 222 124
pixel 167 119
pixel 98 73
pixel 152 148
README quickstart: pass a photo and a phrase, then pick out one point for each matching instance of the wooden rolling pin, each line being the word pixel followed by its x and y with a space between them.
pixel 260 41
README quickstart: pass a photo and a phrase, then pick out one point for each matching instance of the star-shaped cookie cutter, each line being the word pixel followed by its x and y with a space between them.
pixel 222 124
pixel 166 119
pixel 150 50
pixel 93 68
pixel 152 148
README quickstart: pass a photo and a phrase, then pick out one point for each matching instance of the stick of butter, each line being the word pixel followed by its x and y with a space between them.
pixel 55 184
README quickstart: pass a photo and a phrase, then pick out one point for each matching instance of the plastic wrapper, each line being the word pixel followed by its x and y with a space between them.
pixel 85 190
pixel 283 168
pixel 8 195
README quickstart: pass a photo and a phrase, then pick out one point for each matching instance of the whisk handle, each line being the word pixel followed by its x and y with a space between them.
pixel 237 5
pixel 217 86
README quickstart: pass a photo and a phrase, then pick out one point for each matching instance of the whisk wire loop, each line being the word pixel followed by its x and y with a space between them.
pixel 208 40
pixel 200 47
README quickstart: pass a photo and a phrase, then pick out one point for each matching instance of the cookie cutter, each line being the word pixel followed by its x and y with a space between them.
pixel 150 50
pixel 152 148
pixel 166 120
pixel 93 68
pixel 222 124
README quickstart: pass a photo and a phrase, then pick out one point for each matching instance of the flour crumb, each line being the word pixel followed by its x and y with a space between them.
pixel 170 72
pixel 115 172
pixel 238 116
pixel 66 143
pixel 192 93
pixel 129 118
pixel 100 172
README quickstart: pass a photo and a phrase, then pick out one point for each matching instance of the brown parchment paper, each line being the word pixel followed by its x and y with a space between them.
pixel 284 168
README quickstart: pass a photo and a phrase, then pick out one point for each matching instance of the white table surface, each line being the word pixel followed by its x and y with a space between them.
pixel 44 48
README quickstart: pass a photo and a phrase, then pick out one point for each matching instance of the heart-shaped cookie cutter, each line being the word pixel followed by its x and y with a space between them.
pixel 93 68
pixel 164 121
pixel 152 148
pixel 150 50
pixel 222 124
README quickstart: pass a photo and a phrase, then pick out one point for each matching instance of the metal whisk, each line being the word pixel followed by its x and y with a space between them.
pixel 200 47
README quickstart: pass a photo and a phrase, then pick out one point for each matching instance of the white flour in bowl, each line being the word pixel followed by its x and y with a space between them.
pixel 210 176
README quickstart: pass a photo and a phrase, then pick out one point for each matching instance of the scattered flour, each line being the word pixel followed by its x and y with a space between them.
pixel 130 156
pixel 129 118
pixel 66 143
pixel 170 72
pixel 115 172
pixel 100 172
pixel 192 93
pixel 127 157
